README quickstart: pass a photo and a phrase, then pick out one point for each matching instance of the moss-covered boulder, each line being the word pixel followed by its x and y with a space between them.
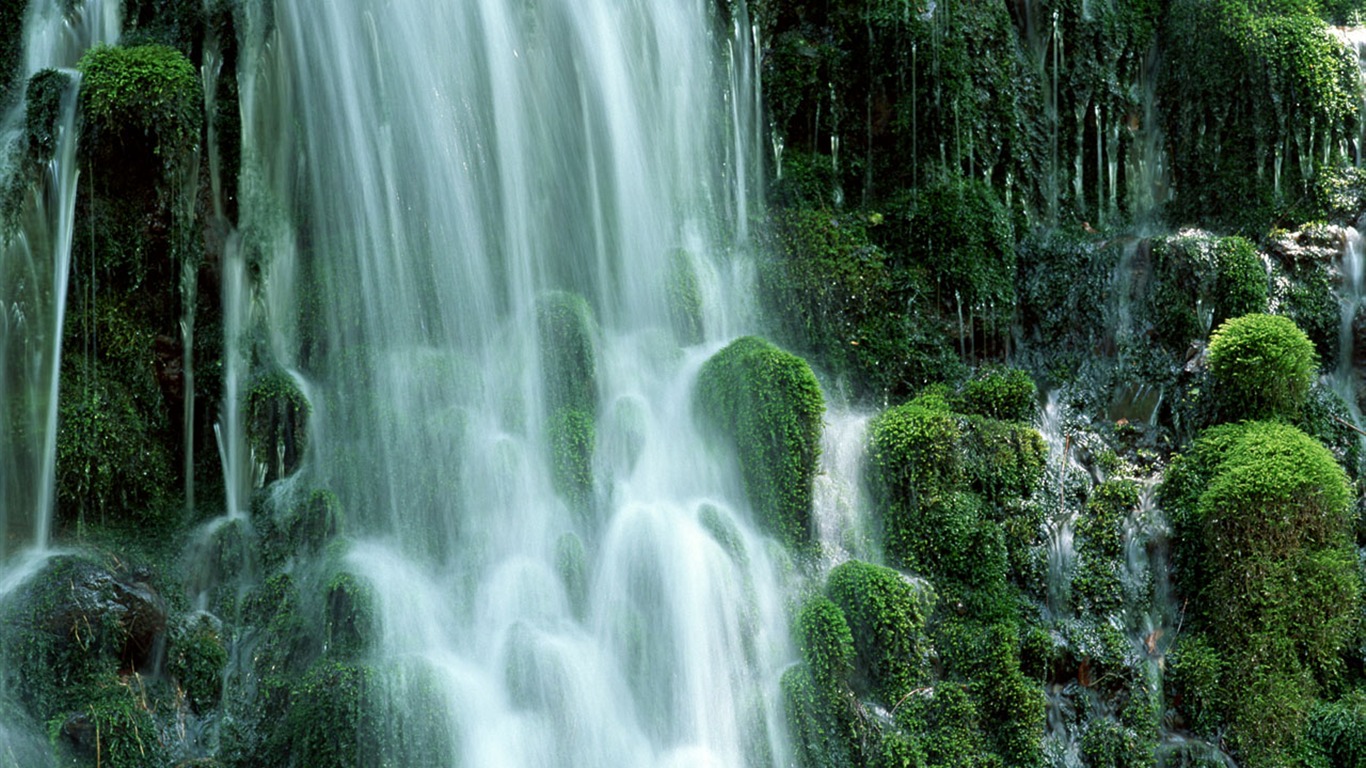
pixel 142 107
pixel 886 614
pixel 915 451
pixel 767 405
pixel 1266 559
pixel 567 332
pixel 277 414
pixel 196 658
pixel 1262 367
pixel 999 392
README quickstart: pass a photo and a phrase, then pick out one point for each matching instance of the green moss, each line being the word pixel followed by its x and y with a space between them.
pixel 886 614
pixel 330 722
pixel 1257 88
pixel 817 736
pixel 915 451
pixel 42 110
pixel 11 47
pixel 572 439
pixel 999 392
pixel 351 625
pixel 1337 729
pixel 566 329
pixel 196 658
pixel 277 414
pixel 831 291
pixel 1097 585
pixel 825 642
pixel 571 563
pixel 767 405
pixel 1265 556
pixel 948 724
pixel 1010 701
pixel 139 98
pixel 685 298
pixel 723 530
pixel 1003 461
pixel 1240 283
pixel 1262 366
pixel 959 232
pixel 125 735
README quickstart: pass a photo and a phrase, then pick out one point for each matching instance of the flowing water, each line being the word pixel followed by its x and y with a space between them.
pixel 425 180
pixel 1344 379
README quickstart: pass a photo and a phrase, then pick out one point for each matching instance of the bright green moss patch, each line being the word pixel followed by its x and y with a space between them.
pixel 1002 460
pixel 571 455
pixel 144 96
pixel 1262 366
pixel 915 450
pixel 999 392
pixel 825 642
pixel 886 614
pixel 766 403
pixel 277 414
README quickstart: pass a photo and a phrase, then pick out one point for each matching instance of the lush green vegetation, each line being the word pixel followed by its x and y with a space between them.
pixel 767 405
pixel 1261 366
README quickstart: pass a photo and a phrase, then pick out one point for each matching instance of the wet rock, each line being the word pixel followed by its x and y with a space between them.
pixel 1312 245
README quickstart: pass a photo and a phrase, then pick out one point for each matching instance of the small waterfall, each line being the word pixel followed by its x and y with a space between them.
pixel 1350 290
pixel 840 503
pixel 1061 517
pixel 35 265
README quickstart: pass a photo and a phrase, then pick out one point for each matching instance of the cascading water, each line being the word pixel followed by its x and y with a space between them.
pixel 1350 291
pixel 455 178
pixel 840 503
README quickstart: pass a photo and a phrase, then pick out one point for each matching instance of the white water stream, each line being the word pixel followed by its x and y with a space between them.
pixel 419 178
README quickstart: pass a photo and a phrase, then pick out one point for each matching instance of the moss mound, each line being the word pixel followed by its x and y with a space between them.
pixel 1262 366
pixel 766 404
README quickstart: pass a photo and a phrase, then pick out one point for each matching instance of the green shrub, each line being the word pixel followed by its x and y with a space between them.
pixel 143 96
pixel 886 615
pixel 768 406
pixel 999 392
pixel 1262 366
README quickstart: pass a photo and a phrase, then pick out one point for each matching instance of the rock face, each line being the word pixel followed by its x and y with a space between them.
pixel 75 623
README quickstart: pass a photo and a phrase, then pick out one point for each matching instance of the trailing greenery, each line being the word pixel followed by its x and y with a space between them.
pixel 1260 94
pixel 767 405
pixel 1262 366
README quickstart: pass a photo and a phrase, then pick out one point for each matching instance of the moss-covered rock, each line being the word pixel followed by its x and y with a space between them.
pixel 142 105
pixel 567 333
pixel 915 451
pixel 572 438
pixel 42 110
pixel 1262 366
pixel 1097 587
pixel 330 722
pixel 999 392
pixel 1260 93
pixel 196 658
pixel 1260 511
pixel 277 414
pixel 886 614
pixel 767 405
pixel 1003 461
pixel 351 624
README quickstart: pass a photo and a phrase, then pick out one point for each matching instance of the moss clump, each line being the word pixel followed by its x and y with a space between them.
pixel 1002 460
pixel 42 110
pixel 886 614
pixel 571 455
pixel 768 406
pixel 196 658
pixel 351 624
pixel 564 322
pixel 1097 587
pixel 277 414
pixel 1260 512
pixel 999 392
pixel 330 721
pixel 685 298
pixel 1240 283
pixel 818 737
pixel 826 643
pixel 140 98
pixel 916 450
pixel 1262 366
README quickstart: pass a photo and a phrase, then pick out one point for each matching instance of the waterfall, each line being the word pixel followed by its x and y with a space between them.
pixel 431 193
pixel 35 264
pixel 1353 282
